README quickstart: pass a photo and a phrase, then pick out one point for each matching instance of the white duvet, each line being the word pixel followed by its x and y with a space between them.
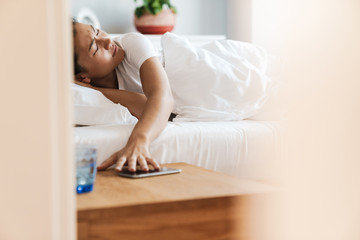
pixel 220 80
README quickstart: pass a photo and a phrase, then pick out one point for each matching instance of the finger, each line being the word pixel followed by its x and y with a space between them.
pixel 107 163
pixel 153 163
pixel 132 164
pixel 143 164
pixel 120 163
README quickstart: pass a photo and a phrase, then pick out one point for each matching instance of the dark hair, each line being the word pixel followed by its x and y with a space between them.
pixel 77 67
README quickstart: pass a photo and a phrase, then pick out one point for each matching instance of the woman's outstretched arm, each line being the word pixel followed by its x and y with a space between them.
pixel 158 106
pixel 134 102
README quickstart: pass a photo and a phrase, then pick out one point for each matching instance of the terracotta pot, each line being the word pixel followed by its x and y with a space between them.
pixel 160 23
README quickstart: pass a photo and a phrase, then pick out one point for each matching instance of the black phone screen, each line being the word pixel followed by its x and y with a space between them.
pixel 150 173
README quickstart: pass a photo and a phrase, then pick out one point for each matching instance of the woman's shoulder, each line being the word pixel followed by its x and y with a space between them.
pixel 135 41
pixel 131 37
pixel 137 48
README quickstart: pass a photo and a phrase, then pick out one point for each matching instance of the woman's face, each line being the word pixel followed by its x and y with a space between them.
pixel 98 54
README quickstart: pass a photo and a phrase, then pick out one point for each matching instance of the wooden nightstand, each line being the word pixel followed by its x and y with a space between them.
pixel 194 204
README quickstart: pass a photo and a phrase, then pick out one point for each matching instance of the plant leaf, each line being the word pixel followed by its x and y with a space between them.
pixel 139 11
pixel 153 7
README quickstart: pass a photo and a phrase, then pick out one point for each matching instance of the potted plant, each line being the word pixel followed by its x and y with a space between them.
pixel 155 17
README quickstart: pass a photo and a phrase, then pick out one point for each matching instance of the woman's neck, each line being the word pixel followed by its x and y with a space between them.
pixel 109 81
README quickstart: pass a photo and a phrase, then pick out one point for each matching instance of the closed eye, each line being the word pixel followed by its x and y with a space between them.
pixel 97 47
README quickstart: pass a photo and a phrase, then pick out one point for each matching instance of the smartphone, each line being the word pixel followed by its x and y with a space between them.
pixel 150 173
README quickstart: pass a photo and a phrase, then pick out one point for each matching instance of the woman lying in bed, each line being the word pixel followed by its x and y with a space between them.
pixel 217 81
pixel 100 62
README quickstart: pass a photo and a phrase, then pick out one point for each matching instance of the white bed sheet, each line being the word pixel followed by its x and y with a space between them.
pixel 248 149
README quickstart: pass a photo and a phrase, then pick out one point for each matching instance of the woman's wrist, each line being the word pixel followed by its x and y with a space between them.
pixel 139 138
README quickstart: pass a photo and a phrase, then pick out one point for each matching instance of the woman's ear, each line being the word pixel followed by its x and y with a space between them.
pixel 82 78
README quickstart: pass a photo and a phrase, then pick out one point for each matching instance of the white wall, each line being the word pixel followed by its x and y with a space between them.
pixel 239 20
pixel 261 22
pixel 194 16
pixel 270 20
pixel 36 173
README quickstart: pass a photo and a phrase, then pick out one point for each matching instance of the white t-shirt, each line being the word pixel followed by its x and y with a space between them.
pixel 138 49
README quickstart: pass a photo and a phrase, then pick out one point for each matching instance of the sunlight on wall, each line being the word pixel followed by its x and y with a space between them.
pixel 320 40
pixel 321 147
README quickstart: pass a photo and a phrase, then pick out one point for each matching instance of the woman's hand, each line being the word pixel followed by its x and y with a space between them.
pixel 134 153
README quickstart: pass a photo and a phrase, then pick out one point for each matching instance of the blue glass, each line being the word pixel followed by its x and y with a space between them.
pixel 84 188
pixel 85 168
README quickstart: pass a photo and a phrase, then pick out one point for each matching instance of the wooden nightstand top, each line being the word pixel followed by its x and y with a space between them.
pixel 192 183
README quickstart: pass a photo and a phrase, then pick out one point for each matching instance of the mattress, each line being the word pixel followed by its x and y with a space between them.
pixel 246 149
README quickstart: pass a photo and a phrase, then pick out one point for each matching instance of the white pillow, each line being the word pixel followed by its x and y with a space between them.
pixel 91 107
pixel 223 80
